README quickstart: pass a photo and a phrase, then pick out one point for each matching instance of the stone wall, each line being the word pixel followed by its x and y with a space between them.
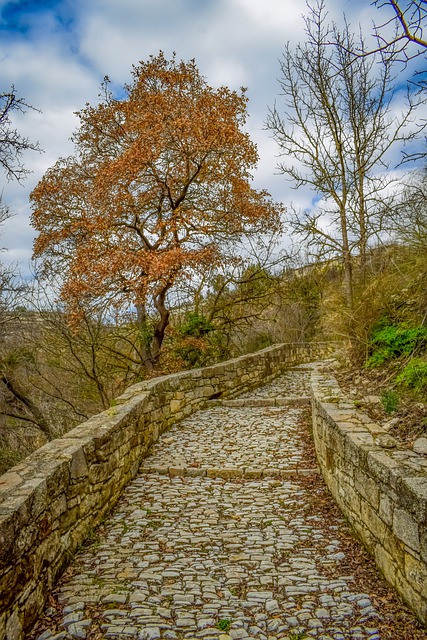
pixel 51 502
pixel 379 486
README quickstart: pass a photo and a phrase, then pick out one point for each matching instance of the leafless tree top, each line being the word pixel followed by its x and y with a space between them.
pixel 12 143
pixel 409 20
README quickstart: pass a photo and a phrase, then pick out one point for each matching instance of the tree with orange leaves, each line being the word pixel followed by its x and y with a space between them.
pixel 159 184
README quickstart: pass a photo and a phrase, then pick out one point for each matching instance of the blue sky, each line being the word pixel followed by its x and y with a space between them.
pixel 56 53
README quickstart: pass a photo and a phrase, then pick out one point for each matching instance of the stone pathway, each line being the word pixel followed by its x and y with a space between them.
pixel 221 536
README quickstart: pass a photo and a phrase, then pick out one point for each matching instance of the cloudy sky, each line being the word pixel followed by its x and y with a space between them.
pixel 56 53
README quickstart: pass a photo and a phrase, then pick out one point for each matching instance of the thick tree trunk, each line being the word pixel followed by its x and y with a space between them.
pixel 144 337
pixel 151 339
pixel 161 324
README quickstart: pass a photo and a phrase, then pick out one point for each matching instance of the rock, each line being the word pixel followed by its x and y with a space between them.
pixel 73 617
pixel 149 633
pixel 46 635
pixel 373 400
pixel 76 631
pixel 385 441
pixel 390 424
pixel 420 446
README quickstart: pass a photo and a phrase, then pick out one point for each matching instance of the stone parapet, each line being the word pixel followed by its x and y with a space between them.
pixel 380 487
pixel 52 501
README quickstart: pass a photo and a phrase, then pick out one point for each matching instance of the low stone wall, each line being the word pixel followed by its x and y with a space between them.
pixel 50 502
pixel 381 488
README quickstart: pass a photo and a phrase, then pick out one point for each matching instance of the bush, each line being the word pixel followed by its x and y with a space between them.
pixel 195 326
pixel 414 376
pixel 197 342
pixel 393 341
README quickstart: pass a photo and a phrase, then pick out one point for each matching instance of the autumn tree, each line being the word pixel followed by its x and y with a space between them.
pixel 341 119
pixel 159 184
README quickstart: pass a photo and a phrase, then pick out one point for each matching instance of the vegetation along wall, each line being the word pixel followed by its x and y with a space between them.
pixel 381 488
pixel 50 502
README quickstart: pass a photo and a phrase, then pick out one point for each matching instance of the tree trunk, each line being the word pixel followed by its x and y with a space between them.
pixel 347 261
pixel 38 418
pixel 151 341
pixel 161 324
pixel 144 337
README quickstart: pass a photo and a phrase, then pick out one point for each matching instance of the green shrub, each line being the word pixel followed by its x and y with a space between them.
pixel 414 376
pixel 393 341
pixel 389 400
pixel 195 326
pixel 197 342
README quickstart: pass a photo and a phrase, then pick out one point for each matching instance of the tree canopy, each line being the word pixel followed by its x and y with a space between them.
pixel 160 183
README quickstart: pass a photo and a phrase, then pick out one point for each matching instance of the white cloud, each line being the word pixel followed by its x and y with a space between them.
pixel 59 60
pixel 272 16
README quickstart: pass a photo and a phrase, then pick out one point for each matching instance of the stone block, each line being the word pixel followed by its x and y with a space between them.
pixel 367 487
pixel 68 518
pixel 14 625
pixel 33 604
pixel 252 472
pixel 29 535
pixel 373 522
pixel 416 574
pixel 396 548
pixel 176 405
pixel 225 473
pixel 406 529
pixel 8 581
pixel 420 446
pixel 423 542
pixel 413 491
pixel 379 464
pixel 195 472
pixel 9 525
pixel 10 480
pixel 177 471
pixel 385 562
pixel 386 509
pixel 412 597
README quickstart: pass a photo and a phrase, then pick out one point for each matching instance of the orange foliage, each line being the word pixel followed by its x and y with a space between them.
pixel 159 182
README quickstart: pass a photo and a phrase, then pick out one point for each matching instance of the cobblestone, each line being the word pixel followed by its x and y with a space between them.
pixel 237 554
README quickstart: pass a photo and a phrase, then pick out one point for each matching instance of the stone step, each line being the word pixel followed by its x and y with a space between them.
pixel 227 473
pixel 260 402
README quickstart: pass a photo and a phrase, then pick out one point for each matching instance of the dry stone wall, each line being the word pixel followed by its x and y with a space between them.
pixel 379 486
pixel 51 502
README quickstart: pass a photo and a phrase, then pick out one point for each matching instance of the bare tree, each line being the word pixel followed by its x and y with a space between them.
pixel 12 147
pixel 340 121
pixel 16 403
pixel 408 19
pixel 12 143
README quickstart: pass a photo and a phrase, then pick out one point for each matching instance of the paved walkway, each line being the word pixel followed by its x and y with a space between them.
pixel 222 535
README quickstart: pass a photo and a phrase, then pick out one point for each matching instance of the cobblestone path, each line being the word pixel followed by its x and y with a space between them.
pixel 221 536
